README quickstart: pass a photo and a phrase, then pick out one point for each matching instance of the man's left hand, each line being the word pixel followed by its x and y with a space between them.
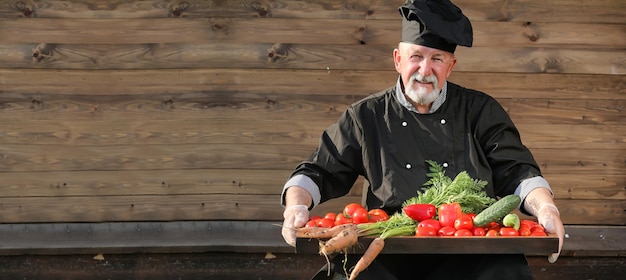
pixel 548 216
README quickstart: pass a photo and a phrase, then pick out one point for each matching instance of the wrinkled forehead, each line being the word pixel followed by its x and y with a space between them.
pixel 409 48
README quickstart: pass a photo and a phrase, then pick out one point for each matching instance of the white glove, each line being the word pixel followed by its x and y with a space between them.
pixel 296 216
pixel 548 216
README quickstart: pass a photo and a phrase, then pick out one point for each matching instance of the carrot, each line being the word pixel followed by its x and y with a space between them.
pixel 340 242
pixel 368 257
pixel 316 232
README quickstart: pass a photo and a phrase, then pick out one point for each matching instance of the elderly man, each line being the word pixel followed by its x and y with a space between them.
pixel 388 137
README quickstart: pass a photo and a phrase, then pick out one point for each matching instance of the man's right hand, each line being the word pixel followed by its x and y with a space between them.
pixel 296 216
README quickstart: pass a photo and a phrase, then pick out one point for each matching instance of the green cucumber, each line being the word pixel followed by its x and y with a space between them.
pixel 497 210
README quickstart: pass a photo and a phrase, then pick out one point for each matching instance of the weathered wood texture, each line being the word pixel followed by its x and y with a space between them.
pixel 161 110
pixel 160 132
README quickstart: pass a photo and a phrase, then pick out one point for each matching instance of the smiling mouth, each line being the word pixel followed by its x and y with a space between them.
pixel 422 83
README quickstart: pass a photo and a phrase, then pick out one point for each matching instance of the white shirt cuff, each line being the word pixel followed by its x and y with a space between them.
pixel 528 185
pixel 306 183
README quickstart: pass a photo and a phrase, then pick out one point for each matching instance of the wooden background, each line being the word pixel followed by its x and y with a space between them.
pixel 117 111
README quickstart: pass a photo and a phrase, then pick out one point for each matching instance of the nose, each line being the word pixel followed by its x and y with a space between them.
pixel 425 67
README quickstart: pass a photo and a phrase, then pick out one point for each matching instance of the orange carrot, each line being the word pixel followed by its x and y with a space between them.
pixel 341 242
pixel 368 257
pixel 316 232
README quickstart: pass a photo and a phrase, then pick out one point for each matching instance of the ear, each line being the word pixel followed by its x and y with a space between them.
pixel 396 59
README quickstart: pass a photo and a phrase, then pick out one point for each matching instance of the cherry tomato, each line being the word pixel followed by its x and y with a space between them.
pixel 537 228
pixel 342 219
pixel 538 233
pixel 527 227
pixel 425 231
pixel 463 232
pixel 432 223
pixel 524 226
pixel 492 233
pixel 448 213
pixel 349 209
pixel 508 231
pixel 478 231
pixel 524 231
pixel 493 225
pixel 325 223
pixel 446 231
pixel 464 222
pixel 314 218
pixel 378 215
pixel 420 212
pixel 311 223
pixel 529 223
pixel 330 216
pixel 360 216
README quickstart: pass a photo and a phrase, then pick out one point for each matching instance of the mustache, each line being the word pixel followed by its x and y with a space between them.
pixel 424 79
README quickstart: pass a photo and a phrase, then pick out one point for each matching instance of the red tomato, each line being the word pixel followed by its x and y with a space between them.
pixel 492 233
pixel 425 231
pixel 349 209
pixel 478 231
pixel 524 226
pixel 314 218
pixel 311 223
pixel 524 231
pixel 448 213
pixel 508 231
pixel 420 212
pixel 537 228
pixel 360 216
pixel 330 216
pixel 463 232
pixel 538 233
pixel 494 225
pixel 446 231
pixel 464 222
pixel 529 223
pixel 432 223
pixel 342 219
pixel 325 223
pixel 378 215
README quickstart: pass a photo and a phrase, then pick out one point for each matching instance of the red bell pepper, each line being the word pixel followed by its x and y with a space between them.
pixel 448 213
pixel 420 212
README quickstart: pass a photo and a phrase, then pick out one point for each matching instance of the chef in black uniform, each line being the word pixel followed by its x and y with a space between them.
pixel 388 136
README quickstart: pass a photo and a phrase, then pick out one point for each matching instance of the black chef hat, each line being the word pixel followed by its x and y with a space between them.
pixel 436 24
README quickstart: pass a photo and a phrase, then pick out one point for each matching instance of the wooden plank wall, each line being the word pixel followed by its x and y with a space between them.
pixel 162 110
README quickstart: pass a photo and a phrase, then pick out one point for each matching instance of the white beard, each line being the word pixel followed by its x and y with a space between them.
pixel 420 95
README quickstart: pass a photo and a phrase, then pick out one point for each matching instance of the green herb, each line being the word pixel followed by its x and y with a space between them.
pixel 440 189
pixel 398 224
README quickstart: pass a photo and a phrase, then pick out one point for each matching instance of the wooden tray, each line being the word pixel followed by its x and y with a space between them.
pixel 531 245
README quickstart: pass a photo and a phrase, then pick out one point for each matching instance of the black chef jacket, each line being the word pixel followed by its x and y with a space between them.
pixel 388 144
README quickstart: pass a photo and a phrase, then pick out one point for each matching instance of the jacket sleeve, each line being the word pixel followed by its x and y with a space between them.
pixel 511 161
